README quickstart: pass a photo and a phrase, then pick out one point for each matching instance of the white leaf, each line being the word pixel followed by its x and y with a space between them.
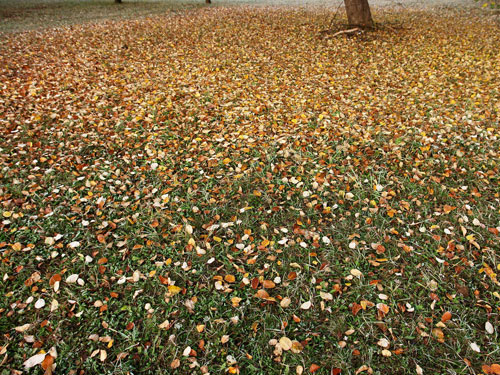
pixel 35 360
pixel 285 302
pixel 475 347
pixel 135 276
pixel 326 296
pixel 53 352
pixel 419 370
pixel 71 279
pixel 386 353
pixel 352 245
pixel 189 229
pixel 489 328
pixel 40 303
pixel 383 342
pixel 306 305
pixel 356 272
pixel 74 244
pixel 186 351
pixel 23 328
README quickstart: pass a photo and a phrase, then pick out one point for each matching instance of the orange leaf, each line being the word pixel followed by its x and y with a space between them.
pixel 447 209
pixel 54 279
pixel 230 278
pixel 261 293
pixel 314 367
pixel 495 368
pixel 446 316
pixel 47 362
pixel 268 284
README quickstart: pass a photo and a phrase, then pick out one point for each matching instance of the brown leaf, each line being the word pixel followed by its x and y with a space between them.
pixel 268 284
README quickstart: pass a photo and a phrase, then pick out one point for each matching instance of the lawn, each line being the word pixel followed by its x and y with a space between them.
pixel 230 190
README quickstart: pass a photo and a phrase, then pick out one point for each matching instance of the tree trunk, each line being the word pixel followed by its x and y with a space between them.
pixel 118 1
pixel 358 13
pixel 208 1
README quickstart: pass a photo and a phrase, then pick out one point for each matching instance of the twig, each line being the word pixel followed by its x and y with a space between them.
pixel 350 31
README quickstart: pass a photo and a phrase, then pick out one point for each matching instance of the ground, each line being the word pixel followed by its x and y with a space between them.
pixel 230 190
pixel 23 15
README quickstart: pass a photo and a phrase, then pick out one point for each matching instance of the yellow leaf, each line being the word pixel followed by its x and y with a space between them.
pixel 174 289
pixel 230 278
pixel 285 343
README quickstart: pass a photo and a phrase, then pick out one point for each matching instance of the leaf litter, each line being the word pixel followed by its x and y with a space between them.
pixel 224 191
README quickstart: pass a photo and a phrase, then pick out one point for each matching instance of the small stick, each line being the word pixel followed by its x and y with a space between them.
pixel 350 31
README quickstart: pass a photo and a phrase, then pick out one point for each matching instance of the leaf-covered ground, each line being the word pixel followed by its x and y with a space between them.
pixel 225 191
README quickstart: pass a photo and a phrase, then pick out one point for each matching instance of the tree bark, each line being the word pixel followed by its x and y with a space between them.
pixel 118 1
pixel 358 13
pixel 208 1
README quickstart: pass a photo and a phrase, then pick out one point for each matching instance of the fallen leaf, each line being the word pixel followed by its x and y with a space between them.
pixel 34 360
pixel 286 343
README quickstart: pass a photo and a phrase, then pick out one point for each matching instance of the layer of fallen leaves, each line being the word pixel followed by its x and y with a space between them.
pixel 224 190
